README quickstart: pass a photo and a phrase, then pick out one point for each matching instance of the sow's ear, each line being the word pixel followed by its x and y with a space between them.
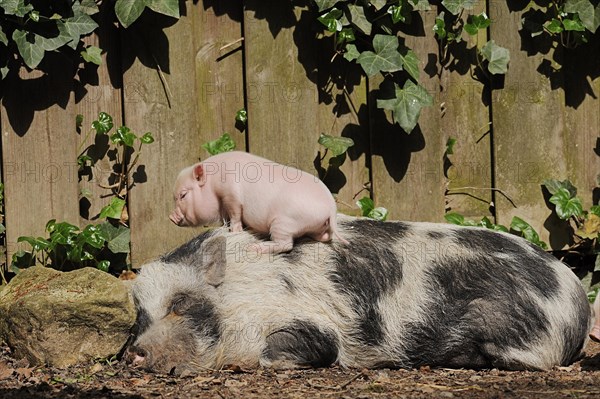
pixel 214 257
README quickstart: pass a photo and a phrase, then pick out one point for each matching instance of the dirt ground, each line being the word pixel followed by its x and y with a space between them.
pixel 116 380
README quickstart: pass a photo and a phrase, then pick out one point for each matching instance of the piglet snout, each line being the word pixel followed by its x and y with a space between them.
pixel 176 217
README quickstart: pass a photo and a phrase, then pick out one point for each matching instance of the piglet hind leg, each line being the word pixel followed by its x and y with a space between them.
pixel 282 239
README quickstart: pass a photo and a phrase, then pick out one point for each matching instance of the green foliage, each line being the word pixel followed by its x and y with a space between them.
pixel 406 104
pixel 368 209
pixel 448 30
pixel 370 33
pixel 337 145
pixel 242 117
pixel 496 56
pixel 367 33
pixel 223 144
pixel 68 248
pixel 570 22
pixel 450 143
pixel 29 30
pixel 517 226
pixel 569 207
pixel 104 245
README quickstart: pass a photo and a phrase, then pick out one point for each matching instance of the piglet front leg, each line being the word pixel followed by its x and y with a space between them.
pixel 233 209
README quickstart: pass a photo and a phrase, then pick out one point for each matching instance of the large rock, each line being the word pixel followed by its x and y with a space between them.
pixel 59 319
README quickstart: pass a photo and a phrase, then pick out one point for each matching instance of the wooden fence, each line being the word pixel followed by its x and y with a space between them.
pixel 177 80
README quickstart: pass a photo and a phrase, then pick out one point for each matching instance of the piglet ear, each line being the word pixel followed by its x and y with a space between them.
pixel 199 175
pixel 214 260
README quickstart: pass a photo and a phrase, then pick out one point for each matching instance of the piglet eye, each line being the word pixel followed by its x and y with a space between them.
pixel 182 195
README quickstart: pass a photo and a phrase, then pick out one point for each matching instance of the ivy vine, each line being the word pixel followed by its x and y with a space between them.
pixel 30 29
pixel 369 32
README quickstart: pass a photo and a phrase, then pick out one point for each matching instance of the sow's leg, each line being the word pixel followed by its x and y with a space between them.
pixel 595 333
pixel 300 344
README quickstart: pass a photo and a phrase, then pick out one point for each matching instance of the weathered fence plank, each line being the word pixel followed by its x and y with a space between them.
pixel 38 147
pixel 407 169
pixel 528 125
pixel 101 93
pixel 219 69
pixel 581 134
pixel 464 107
pixel 160 91
pixel 280 83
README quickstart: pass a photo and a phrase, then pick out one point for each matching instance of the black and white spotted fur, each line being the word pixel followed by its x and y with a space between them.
pixel 399 295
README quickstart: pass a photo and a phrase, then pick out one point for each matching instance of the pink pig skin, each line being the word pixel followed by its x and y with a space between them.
pixel 595 333
pixel 263 195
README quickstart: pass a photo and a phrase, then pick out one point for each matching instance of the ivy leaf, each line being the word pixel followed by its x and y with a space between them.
pixel 378 213
pixel 29 47
pixel 16 7
pixel 378 4
pixel 407 104
pixel 454 218
pixel 351 53
pixel 401 12
pixel 590 228
pixel 574 24
pixel 331 20
pixel 220 145
pixel 128 11
pixel 92 54
pixel 38 244
pixel 456 6
pixel 53 43
pixel 357 18
pixel 337 145
pixel 527 231
pixel 566 206
pixel 588 14
pixel 242 116
pixel 103 265
pixel 3 38
pixel 114 209
pixel 147 138
pixel 554 26
pixel 325 4
pixel 366 205
pixel 497 57
pixel 117 238
pixel 450 146
pixel 421 5
pixel 89 7
pixel 553 186
pixel 477 22
pixel 346 35
pixel 410 62
pixel 386 57
pixel 78 26
pixel 103 124
pixel 124 136
pixel 169 8
pixel 439 28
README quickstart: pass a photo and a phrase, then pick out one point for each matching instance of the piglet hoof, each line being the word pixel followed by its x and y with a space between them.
pixel 595 334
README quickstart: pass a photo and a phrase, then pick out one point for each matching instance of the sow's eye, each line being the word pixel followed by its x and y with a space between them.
pixel 180 304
